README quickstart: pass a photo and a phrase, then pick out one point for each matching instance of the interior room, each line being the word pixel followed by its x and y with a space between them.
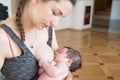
pixel 93 28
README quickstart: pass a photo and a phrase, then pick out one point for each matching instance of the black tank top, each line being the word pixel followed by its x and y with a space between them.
pixel 24 67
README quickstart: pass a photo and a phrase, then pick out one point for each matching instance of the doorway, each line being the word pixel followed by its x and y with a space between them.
pixel 101 16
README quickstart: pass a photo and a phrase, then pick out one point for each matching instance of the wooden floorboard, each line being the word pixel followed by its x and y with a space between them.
pixel 100 53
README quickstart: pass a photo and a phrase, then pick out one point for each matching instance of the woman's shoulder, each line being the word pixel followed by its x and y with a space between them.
pixel 2 35
pixel 3 38
pixel 4 43
pixel 2 48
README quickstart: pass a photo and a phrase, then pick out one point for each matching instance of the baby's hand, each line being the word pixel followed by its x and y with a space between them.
pixel 41 70
pixel 41 62
pixel 53 63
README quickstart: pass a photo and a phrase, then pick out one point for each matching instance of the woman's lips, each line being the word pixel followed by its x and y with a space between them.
pixel 45 25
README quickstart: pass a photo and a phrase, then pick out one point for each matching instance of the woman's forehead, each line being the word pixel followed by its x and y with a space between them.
pixel 65 6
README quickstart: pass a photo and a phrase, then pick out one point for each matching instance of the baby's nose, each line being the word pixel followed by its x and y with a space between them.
pixel 56 52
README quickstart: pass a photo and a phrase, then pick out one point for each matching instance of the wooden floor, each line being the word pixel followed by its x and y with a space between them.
pixel 100 53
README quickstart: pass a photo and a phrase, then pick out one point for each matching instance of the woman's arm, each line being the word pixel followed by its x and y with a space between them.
pixel 3 50
pixel 1 64
pixel 1 60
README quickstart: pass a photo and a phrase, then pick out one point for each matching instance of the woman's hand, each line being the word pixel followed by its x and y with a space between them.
pixel 69 76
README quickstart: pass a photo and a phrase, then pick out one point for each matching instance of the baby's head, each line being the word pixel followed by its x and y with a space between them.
pixel 71 56
pixel 75 56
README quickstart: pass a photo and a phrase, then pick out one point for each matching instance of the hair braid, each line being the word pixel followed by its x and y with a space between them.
pixel 18 18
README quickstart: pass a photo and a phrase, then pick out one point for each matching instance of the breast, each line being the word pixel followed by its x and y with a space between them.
pixel 45 52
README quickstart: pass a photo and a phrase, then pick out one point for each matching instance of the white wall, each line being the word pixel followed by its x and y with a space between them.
pixel 77 17
pixel 64 23
pixel 12 5
pixel 7 3
pixel 115 13
pixel 115 17
pixel 80 13
pixel 75 20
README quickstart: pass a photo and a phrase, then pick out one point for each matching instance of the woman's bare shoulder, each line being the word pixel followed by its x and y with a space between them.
pixel 2 46
pixel 3 42
pixel 3 35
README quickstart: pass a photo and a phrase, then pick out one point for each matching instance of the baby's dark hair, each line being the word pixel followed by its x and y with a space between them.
pixel 76 57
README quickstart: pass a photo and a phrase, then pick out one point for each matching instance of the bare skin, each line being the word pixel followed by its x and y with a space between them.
pixel 58 69
pixel 35 23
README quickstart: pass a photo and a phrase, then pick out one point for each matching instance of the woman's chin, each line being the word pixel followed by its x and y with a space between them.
pixel 40 28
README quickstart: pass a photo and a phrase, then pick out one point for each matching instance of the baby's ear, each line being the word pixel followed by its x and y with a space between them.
pixel 69 62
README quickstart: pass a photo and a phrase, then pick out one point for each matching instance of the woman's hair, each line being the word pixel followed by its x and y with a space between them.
pixel 19 13
pixel 20 9
pixel 76 57
pixel 73 2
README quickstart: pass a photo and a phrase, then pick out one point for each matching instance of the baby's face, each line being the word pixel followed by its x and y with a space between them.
pixel 61 54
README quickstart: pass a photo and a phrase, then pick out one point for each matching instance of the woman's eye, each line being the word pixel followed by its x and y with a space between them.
pixel 57 13
pixel 54 13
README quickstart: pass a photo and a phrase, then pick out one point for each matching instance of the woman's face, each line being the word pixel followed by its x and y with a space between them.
pixel 45 14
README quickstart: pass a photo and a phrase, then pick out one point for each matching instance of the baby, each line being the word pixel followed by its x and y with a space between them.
pixel 66 59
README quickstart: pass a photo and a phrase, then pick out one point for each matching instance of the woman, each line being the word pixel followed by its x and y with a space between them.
pixel 24 37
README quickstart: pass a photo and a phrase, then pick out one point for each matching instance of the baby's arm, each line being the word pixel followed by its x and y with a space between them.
pixel 53 70
pixel 41 70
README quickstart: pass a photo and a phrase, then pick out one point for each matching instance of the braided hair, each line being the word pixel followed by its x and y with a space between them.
pixel 19 13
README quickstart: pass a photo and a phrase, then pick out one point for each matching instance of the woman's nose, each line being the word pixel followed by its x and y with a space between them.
pixel 55 21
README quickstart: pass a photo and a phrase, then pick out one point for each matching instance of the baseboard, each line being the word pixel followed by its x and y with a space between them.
pixel 71 29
